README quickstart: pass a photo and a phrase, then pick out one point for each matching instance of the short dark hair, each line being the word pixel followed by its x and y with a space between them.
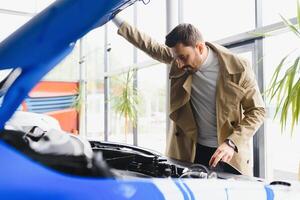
pixel 186 34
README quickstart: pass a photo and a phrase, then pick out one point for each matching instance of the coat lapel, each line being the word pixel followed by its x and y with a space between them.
pixel 227 59
pixel 181 111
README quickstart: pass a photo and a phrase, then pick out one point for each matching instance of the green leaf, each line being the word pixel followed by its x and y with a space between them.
pixel 286 92
pixel 273 82
pixel 297 110
pixel 293 97
pixel 278 107
pixel 292 27
pixel 292 74
pixel 281 92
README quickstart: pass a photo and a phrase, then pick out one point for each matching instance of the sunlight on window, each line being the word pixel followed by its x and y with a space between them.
pixel 10 23
pixel 152 111
pixel 273 9
pixel 93 46
pixel 121 51
pixel 67 69
pixel 28 6
pixel 156 29
pixel 218 19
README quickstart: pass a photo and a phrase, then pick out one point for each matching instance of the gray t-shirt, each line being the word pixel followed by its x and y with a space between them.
pixel 203 99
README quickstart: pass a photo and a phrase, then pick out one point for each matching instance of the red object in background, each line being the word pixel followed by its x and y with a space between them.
pixel 54 89
pixel 68 118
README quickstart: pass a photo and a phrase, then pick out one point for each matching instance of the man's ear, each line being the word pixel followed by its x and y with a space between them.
pixel 200 46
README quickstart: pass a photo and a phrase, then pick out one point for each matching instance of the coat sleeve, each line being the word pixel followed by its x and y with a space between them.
pixel 253 107
pixel 145 43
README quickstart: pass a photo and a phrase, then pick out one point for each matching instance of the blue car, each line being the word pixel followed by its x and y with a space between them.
pixel 110 170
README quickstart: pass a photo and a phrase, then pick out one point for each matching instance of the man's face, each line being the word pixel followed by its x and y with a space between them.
pixel 188 58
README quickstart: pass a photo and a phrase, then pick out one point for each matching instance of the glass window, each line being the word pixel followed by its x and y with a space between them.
pixel 67 69
pixel 218 19
pixel 273 9
pixel 95 110
pixel 41 4
pixel 29 6
pixel 283 152
pixel 154 27
pixel 93 46
pixel 10 23
pixel 121 51
pixel 152 111
pixel 24 6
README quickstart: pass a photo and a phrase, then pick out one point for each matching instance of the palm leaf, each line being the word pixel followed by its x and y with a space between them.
pixel 297 109
pixel 294 108
pixel 292 27
pixel 287 93
pixel 272 88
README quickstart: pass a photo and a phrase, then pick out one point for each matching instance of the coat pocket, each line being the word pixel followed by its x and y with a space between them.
pixel 178 131
pixel 233 94
pixel 227 129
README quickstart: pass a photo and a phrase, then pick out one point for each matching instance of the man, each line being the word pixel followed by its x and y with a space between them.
pixel 215 103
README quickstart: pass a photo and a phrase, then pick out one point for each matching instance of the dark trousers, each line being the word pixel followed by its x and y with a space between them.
pixel 203 154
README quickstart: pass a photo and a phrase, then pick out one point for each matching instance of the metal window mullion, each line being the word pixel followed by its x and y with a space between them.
pixel 135 81
pixel 259 137
pixel 180 11
pixel 82 85
pixel 106 85
pixel 17 13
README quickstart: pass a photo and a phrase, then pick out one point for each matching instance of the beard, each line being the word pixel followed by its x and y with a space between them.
pixel 190 70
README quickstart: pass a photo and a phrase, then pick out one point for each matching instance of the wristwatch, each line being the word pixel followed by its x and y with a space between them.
pixel 231 144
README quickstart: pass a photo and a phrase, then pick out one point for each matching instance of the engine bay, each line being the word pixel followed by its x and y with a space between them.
pixel 115 160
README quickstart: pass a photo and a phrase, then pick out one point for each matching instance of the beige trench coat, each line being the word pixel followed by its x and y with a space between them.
pixel 239 104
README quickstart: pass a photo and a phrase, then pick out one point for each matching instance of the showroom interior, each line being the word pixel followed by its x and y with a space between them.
pixel 102 63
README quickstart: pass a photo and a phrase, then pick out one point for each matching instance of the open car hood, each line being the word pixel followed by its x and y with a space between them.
pixel 40 44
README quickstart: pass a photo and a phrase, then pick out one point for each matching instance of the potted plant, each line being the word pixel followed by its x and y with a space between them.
pixel 126 100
